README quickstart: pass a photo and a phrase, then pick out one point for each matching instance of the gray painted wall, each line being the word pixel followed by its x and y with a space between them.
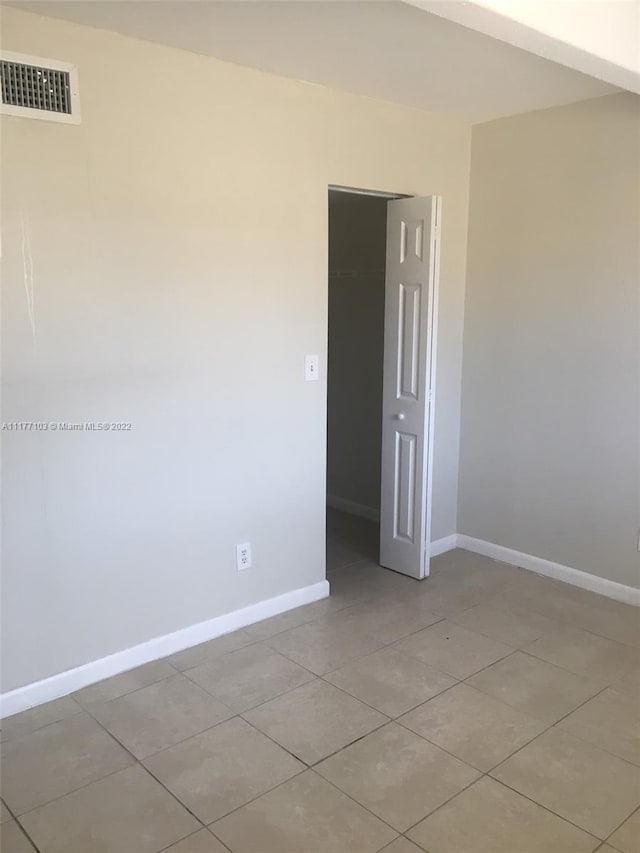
pixel 550 432
pixel 179 279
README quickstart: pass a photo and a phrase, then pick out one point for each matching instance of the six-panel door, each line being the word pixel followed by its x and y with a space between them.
pixel 408 336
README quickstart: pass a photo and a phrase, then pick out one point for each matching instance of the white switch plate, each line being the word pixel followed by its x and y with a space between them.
pixel 311 365
pixel 243 556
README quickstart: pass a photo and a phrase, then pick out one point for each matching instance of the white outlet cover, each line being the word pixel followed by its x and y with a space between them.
pixel 243 556
pixel 311 368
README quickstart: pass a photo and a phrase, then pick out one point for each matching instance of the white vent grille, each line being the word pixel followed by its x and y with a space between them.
pixel 36 88
pixel 33 87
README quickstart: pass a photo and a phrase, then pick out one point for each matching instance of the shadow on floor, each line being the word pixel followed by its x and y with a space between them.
pixel 350 539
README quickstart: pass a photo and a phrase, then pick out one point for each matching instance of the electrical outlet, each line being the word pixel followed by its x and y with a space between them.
pixel 243 556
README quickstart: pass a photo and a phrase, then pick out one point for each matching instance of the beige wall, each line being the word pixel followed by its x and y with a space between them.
pixel 179 246
pixel 357 244
pixel 549 459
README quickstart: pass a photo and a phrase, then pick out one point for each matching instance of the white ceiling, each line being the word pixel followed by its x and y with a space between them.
pixel 600 38
pixel 387 50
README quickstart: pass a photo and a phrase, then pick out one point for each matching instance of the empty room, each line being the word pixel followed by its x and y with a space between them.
pixel 320 441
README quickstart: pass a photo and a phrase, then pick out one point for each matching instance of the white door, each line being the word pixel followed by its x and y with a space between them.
pixel 411 291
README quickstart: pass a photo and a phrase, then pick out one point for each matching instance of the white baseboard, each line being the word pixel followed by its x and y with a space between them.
pixel 585 580
pixel 353 508
pixel 441 546
pixel 67 682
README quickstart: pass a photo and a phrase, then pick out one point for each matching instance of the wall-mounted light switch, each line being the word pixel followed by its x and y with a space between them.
pixel 311 363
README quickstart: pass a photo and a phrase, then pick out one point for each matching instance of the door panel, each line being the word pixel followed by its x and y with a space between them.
pixel 409 343
pixel 404 487
pixel 410 306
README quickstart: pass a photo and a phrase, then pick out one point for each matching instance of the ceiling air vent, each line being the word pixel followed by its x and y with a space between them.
pixel 33 87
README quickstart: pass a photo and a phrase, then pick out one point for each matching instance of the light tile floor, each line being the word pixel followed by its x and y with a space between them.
pixel 485 710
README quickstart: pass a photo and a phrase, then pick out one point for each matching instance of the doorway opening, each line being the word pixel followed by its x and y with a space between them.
pixel 383 264
pixel 357 260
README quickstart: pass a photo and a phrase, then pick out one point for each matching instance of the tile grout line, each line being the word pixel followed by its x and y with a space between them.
pixel 86 708
pixel 264 643
pixel 138 762
pixel 532 654
pixel 21 828
pixel 487 773
pixel 564 717
pixel 437 746
pixel 86 784
pixel 73 791
pixel 443 617
pixel 560 719
pixel 446 803
pixel 312 767
pixel 457 757
pixel 628 817
pixel 192 835
pixel 209 826
pixel 515 752
pixel 279 745
pixel 541 806
pixel 526 796
pixel 393 595
pixel 250 708
pixel 27 836
pixel 335 752
pixel 10 739
pixel 402 713
pixel 564 623
pixel 127 692
pixel 482 602
pixel 307 767
pixel 379 648
pixel 359 804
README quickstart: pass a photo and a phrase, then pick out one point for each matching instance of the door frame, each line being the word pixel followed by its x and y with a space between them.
pixel 432 339
pixel 338 188
pixel 432 344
